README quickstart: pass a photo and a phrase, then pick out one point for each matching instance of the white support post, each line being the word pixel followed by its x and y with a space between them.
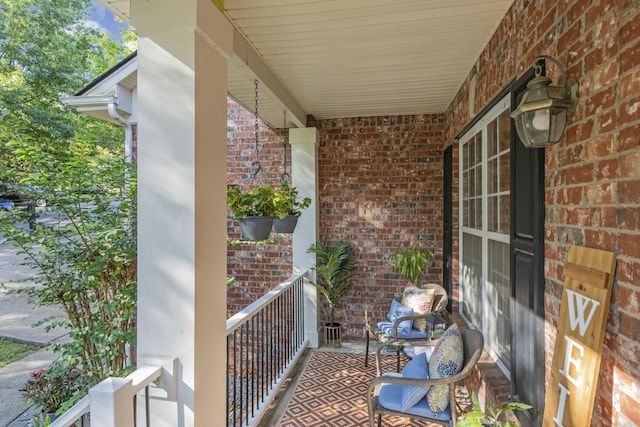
pixel 183 48
pixel 304 178
pixel 112 403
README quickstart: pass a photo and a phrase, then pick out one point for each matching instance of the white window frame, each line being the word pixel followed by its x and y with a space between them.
pixel 483 233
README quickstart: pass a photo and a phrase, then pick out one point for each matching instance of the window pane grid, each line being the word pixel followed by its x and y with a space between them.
pixel 499 297
pixel 472 182
pixel 485 248
pixel 472 277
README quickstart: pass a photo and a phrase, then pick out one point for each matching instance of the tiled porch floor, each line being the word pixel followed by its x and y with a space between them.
pixel 305 403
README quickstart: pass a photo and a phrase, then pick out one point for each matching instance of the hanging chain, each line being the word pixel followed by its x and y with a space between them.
pixel 256 164
pixel 285 145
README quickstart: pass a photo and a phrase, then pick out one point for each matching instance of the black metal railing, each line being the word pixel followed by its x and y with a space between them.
pixel 264 341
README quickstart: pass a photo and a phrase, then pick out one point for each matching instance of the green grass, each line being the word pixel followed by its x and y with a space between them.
pixel 10 351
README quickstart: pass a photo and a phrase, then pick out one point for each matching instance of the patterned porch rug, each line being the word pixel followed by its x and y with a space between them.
pixel 332 393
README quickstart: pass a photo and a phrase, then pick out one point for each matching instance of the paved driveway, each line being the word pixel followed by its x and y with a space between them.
pixel 17 315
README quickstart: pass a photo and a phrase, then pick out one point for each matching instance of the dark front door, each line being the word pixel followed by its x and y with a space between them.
pixel 527 272
pixel 447 222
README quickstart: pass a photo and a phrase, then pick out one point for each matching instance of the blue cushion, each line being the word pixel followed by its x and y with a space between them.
pixel 387 328
pixel 411 394
pixel 390 398
pixel 397 311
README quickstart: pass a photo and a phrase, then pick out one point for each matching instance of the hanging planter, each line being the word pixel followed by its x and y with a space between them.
pixel 290 207
pixel 286 224
pixel 256 228
pixel 255 210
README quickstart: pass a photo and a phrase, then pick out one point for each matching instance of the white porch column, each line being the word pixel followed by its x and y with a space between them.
pixel 304 178
pixel 182 73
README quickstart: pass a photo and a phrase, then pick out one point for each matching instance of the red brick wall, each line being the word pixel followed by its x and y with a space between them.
pixel 380 185
pixel 380 182
pixel 381 178
pixel 592 180
pixel 257 269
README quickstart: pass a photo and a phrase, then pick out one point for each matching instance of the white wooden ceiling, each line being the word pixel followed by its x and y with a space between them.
pixel 349 58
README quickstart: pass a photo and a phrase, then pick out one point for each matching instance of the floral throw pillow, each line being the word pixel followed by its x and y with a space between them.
pixel 420 301
pixel 446 360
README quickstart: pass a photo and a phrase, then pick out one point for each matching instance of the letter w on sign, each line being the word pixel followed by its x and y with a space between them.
pixel 578 304
pixel 582 321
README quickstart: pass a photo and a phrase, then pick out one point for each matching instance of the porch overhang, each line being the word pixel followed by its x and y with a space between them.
pixel 350 59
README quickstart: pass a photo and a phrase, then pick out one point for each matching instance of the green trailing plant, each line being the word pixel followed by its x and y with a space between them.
pixel 259 201
pixel 411 262
pixel 288 200
pixel 479 418
pixel 82 250
pixel 334 268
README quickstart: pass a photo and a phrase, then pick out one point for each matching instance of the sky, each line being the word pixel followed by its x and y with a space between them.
pixel 102 18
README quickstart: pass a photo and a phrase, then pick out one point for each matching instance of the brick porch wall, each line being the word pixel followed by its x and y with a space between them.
pixel 380 186
pixel 592 177
pixel 376 173
pixel 380 181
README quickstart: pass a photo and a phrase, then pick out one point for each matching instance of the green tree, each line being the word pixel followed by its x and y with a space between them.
pixel 47 52
pixel 83 249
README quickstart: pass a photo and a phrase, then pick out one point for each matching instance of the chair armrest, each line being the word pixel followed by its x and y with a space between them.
pixel 412 318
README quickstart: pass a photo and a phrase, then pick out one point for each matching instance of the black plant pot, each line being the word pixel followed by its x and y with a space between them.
pixel 285 225
pixel 256 228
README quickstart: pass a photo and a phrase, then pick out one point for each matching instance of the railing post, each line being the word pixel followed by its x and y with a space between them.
pixel 112 403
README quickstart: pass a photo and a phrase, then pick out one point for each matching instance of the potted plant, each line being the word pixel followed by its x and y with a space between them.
pixel 255 210
pixel 49 389
pixel 334 268
pixel 411 262
pixel 479 418
pixel 290 206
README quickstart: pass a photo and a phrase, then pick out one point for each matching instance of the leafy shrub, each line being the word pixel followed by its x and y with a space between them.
pixel 83 252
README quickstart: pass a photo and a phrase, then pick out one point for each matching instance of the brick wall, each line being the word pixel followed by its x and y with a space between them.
pixel 257 269
pixel 380 185
pixel 381 178
pixel 380 181
pixel 592 179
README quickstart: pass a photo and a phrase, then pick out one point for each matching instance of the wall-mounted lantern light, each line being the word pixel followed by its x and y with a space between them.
pixel 542 114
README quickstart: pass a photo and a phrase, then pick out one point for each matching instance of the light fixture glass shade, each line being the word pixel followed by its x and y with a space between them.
pixel 539 128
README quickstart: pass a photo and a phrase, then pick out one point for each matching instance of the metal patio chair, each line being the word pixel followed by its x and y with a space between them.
pixel 473 344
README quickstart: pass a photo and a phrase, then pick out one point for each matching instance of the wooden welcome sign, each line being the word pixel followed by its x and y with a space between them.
pixel 583 318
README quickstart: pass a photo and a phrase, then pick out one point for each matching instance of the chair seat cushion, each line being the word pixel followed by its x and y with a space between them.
pixel 390 397
pixel 387 328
